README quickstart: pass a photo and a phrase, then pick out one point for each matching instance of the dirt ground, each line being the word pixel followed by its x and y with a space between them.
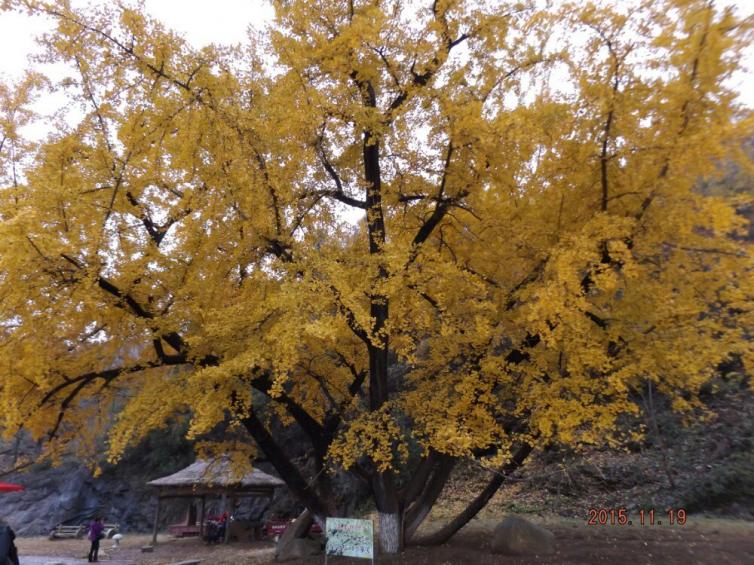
pixel 168 550
pixel 700 541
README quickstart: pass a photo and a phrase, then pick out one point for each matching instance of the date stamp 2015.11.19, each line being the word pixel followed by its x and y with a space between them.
pixel 642 517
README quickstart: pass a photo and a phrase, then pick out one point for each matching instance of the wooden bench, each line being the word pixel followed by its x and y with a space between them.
pixel 78 532
pixel 64 532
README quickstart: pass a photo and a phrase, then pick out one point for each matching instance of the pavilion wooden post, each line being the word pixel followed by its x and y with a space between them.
pixel 156 520
pixel 201 519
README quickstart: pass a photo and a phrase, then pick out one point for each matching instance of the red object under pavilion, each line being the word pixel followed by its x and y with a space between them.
pixel 10 487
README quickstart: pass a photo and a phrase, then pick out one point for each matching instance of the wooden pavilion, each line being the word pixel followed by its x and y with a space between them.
pixel 203 479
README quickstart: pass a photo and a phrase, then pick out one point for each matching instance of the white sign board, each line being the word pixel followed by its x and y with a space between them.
pixel 349 537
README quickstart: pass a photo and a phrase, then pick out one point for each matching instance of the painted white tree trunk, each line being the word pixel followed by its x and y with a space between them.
pixel 390 532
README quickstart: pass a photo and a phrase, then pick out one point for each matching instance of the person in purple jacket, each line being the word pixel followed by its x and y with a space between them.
pixel 95 534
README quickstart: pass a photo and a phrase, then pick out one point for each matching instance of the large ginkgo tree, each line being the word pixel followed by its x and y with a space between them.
pixel 416 231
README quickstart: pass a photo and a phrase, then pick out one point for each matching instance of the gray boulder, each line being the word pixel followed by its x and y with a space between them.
pixel 516 536
pixel 298 548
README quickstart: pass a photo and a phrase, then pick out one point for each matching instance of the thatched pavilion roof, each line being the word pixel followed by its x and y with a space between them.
pixel 216 476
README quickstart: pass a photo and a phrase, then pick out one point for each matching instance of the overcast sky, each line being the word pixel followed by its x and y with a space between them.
pixel 225 21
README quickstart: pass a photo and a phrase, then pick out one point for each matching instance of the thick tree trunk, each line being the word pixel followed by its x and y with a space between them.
pixel 298 529
pixel 419 479
pixel 418 511
pixel 285 468
pixel 383 483
pixel 386 499
pixel 389 534
pixel 447 531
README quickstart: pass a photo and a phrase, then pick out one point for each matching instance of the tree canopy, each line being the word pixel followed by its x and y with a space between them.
pixel 529 248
